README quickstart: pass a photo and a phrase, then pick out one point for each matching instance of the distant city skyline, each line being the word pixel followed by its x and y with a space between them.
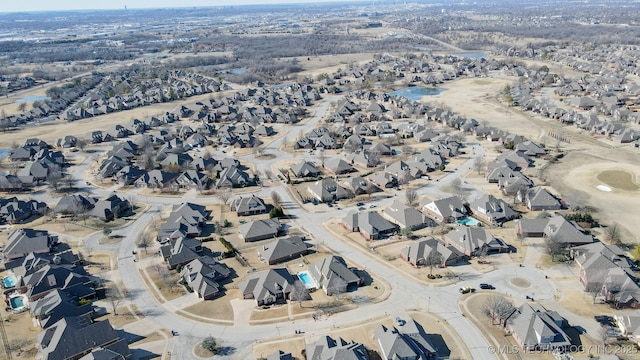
pixel 48 5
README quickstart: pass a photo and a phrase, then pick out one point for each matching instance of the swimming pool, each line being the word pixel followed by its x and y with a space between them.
pixel 468 222
pixel 9 281
pixel 307 280
pixel 18 303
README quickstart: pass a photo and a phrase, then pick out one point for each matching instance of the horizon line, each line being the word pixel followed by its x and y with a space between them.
pixel 187 7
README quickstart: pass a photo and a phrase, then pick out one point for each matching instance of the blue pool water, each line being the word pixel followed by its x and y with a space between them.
pixel 32 98
pixel 473 55
pixel 306 279
pixel 416 92
pixel 17 302
pixel 468 222
pixel 9 281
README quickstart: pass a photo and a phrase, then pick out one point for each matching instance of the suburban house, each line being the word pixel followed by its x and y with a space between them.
pixel 23 241
pixel 41 281
pixel 305 169
pixel 327 190
pixel 281 250
pixel 446 210
pixel 474 241
pixel 15 211
pixel 260 229
pixel 246 206
pixel 620 289
pixel 629 324
pixel 232 177
pixel 73 338
pixel 333 275
pixel 56 305
pixel 557 227
pixel 280 355
pixel 538 198
pixel 359 185
pixel 202 275
pixel 185 220
pixel 492 210
pixel 535 328
pixel 338 166
pixel 110 208
pixel 369 223
pixel 157 179
pixel 409 341
pixel 180 251
pixel 406 217
pixel 74 204
pixel 428 251
pixel 328 348
pixel 567 232
pixel 596 259
pixel 267 286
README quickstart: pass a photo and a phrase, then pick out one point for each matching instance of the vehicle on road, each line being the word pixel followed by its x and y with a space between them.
pixel 487 286
pixel 360 204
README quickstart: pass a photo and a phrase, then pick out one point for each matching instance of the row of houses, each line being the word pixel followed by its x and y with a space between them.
pixel 106 209
pixel 58 291
pixel 409 341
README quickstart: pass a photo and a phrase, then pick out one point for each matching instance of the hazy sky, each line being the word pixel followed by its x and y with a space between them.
pixel 43 5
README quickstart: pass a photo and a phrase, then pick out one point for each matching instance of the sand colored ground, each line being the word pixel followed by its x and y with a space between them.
pixel 576 176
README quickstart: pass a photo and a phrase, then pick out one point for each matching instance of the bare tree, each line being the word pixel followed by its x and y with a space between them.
pixel 276 199
pixel 115 297
pixel 225 195
pixel 433 259
pixel 145 241
pixel 411 196
pixel 54 178
pixel 498 309
pixel 299 293
pixel 458 189
pixel 81 144
pixel 594 289
pixel 322 156
pixel 613 234
pixel 337 288
pixel 553 246
pixel 478 165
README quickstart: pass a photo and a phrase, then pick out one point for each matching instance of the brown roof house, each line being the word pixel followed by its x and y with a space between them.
pixel 370 224
pixel 492 210
pixel 446 210
pixel 406 216
pixel 267 286
pixel 429 250
pixel 535 328
pixel 473 241
pixel 282 250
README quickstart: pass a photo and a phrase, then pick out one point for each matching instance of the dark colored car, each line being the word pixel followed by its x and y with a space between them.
pixel 487 286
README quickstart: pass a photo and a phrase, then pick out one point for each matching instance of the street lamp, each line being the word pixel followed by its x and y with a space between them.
pixel 429 304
